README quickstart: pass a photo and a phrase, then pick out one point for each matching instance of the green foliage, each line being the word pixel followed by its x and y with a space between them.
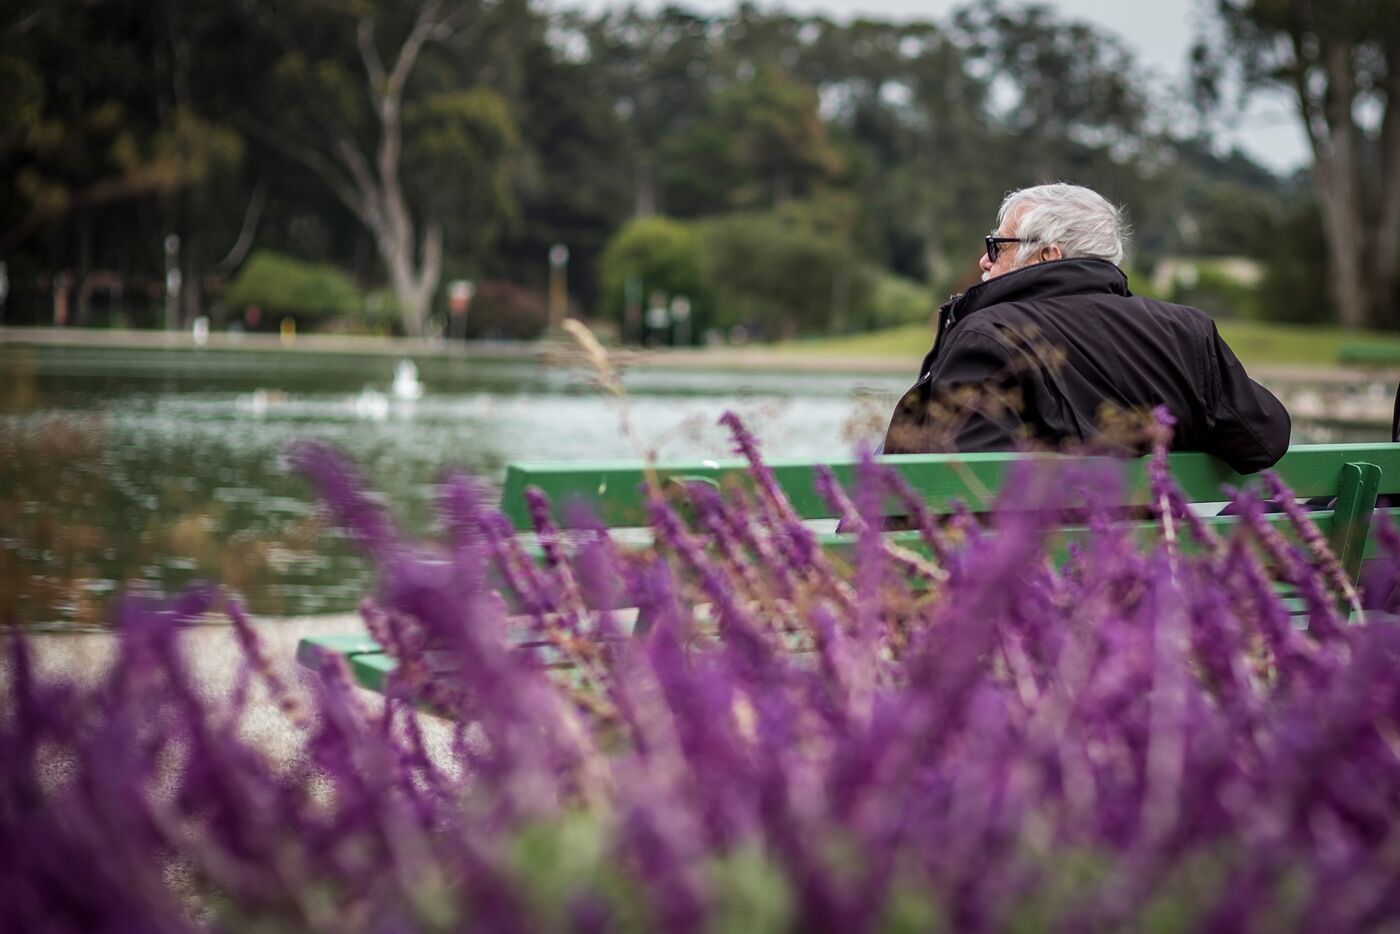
pixel 1295 284
pixel 565 858
pixel 780 277
pixel 458 160
pixel 778 141
pixel 894 301
pixel 750 893
pixel 284 285
pixel 1140 284
pixel 658 254
pixel 380 314
pixel 865 148
pixel 1218 293
pixel 1337 61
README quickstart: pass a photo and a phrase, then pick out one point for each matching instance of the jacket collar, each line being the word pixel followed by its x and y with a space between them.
pixel 1053 279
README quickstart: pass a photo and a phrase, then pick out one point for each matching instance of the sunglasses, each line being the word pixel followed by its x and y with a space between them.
pixel 994 245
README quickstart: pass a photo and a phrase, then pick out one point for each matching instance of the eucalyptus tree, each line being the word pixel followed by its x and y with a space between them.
pixel 371 98
pixel 658 71
pixel 1340 63
pixel 103 159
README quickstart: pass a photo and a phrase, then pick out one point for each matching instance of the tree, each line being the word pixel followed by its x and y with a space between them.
pixel 100 159
pixel 658 72
pixel 780 271
pixel 778 136
pixel 402 195
pixel 286 285
pixel 648 255
pixel 1340 61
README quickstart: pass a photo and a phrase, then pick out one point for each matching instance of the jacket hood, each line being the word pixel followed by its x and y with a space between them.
pixel 1052 279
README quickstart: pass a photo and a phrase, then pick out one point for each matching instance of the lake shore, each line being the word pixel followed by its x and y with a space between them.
pixel 766 358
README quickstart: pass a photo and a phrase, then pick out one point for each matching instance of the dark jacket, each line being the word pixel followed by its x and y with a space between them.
pixel 1049 353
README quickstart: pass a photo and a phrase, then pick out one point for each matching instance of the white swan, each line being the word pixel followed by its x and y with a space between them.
pixel 406 384
pixel 371 403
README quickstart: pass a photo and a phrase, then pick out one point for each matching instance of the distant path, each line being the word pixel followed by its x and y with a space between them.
pixel 757 359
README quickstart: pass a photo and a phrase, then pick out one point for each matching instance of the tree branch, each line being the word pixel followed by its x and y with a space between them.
pixel 1307 107
pixel 104 191
pixel 317 162
pixel 244 243
pixel 374 67
pixel 423 28
pixel 361 175
pixel 390 100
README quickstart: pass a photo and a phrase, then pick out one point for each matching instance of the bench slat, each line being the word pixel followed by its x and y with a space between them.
pixel 611 489
pixel 1356 500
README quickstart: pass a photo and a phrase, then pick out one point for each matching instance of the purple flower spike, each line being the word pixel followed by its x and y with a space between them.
pixel 343 494
pixel 1000 737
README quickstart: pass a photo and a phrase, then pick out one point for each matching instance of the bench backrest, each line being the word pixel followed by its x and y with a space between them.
pixel 1353 474
pixel 611 490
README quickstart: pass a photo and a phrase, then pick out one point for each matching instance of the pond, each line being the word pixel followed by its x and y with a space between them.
pixel 150 468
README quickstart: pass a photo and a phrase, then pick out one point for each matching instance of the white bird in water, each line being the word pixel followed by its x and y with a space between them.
pixel 406 383
pixel 371 403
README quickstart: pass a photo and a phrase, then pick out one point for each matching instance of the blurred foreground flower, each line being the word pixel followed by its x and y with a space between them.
pixel 987 738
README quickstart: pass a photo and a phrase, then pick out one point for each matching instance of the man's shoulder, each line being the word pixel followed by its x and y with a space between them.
pixel 994 317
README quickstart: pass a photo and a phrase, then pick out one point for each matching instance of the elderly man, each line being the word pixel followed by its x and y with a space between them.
pixel 1050 349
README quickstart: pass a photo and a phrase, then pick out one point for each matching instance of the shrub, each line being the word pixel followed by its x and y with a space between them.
pixel 895 301
pixel 283 285
pixel 983 738
pixel 780 276
pixel 658 254
pixel 1219 295
pixel 504 309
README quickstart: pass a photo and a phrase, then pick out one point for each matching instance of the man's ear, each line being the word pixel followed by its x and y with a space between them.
pixel 1047 253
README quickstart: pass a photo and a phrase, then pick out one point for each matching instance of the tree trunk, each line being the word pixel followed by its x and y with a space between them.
pixel 1345 227
pixel 373 190
pixel 644 203
pixel 1337 170
pixel 83 316
pixel 414 283
pixel 1386 252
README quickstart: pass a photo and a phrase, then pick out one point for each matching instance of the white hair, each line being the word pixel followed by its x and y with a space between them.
pixel 1081 222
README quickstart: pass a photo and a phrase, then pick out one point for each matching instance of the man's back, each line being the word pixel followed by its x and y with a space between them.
pixel 1052 353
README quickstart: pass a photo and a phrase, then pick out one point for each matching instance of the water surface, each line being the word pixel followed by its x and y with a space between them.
pixel 131 469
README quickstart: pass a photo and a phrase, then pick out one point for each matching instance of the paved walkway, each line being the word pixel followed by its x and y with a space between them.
pixel 214 657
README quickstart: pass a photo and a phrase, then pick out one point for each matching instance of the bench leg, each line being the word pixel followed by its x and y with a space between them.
pixel 1351 521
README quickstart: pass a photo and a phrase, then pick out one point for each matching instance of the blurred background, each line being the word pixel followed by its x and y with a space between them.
pixel 225 224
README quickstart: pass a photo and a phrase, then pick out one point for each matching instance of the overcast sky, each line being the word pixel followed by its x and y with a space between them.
pixel 1159 32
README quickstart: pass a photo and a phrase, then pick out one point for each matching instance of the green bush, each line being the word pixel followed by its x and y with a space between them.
pixel 780 277
pixel 284 285
pixel 895 300
pixel 657 254
pixel 1219 295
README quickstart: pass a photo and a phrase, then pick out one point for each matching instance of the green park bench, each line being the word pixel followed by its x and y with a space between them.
pixel 1353 474
pixel 1371 355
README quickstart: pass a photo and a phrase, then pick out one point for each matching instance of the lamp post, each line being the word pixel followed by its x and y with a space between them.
pixel 459 299
pixel 658 318
pixel 680 316
pixel 558 284
pixel 172 281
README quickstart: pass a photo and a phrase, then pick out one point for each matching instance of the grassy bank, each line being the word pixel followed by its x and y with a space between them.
pixel 1256 343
